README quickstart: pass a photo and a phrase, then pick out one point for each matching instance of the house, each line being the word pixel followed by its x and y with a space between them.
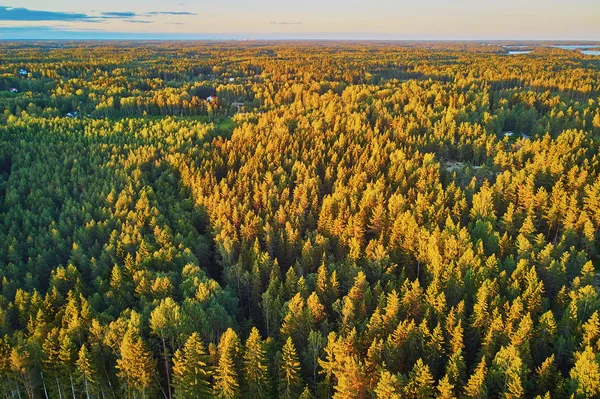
pixel 13 90
pixel 23 72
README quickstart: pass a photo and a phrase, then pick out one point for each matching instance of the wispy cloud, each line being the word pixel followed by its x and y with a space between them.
pixel 114 14
pixel 137 21
pixel 285 23
pixel 170 13
pixel 24 14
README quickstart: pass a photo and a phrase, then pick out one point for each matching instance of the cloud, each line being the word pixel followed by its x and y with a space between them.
pixel 286 23
pixel 114 14
pixel 170 13
pixel 24 14
pixel 138 21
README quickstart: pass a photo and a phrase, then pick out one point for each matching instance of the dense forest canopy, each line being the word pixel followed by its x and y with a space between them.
pixel 286 220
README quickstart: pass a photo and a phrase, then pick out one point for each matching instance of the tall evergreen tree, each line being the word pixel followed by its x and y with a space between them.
pixel 227 384
pixel 290 380
pixel 136 365
pixel 255 366
pixel 191 370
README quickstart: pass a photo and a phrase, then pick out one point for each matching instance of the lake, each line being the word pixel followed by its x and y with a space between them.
pixel 574 47
pixel 582 48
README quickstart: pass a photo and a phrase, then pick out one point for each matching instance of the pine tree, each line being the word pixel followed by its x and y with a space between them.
pixel 476 386
pixel 508 373
pixel 316 342
pixel 290 381
pixel 226 375
pixel 585 374
pixel 21 366
pixel 420 384
pixel 165 320
pixel 136 365
pixel 191 371
pixel 50 359
pixel 5 352
pixel 445 389
pixel 255 366
pixel 306 393
pixel 548 376
pixel 351 379
pixel 85 370
pixel 67 359
pixel 388 386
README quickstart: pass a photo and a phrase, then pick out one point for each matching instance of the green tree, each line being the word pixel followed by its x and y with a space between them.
pixel 226 375
pixel 585 375
pixel 165 321
pixel 290 381
pixel 255 366
pixel 85 371
pixel 191 370
pixel 136 367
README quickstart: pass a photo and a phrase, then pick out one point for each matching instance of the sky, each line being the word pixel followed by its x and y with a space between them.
pixel 301 19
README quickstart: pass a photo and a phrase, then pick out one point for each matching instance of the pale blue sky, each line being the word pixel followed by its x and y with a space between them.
pixel 326 19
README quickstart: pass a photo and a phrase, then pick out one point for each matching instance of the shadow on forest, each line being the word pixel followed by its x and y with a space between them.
pixel 176 204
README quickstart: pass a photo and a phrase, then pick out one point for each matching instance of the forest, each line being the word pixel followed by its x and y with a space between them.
pixel 298 220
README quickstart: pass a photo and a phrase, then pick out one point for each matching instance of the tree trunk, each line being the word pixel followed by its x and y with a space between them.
pixel 166 368
pixel 59 391
pixel 87 392
pixel 159 384
pixel 44 385
pixel 72 386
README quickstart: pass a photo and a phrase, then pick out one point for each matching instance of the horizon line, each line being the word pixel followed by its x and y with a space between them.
pixel 306 39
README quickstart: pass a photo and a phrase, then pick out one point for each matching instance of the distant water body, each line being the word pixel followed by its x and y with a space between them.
pixel 575 47
pixel 581 48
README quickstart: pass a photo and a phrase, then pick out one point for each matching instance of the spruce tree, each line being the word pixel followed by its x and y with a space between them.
pixel 255 366
pixel 191 370
pixel 226 374
pixel 290 381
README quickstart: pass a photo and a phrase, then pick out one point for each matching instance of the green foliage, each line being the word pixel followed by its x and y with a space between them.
pixel 362 223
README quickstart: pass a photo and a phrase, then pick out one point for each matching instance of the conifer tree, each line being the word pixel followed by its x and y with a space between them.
pixel 255 366
pixel 585 375
pixel 420 384
pixel 388 386
pixel 290 381
pixel 191 370
pixel 85 371
pixel 476 386
pixel 136 365
pixel 226 383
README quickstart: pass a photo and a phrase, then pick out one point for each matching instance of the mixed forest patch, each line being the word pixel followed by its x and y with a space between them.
pixel 292 220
